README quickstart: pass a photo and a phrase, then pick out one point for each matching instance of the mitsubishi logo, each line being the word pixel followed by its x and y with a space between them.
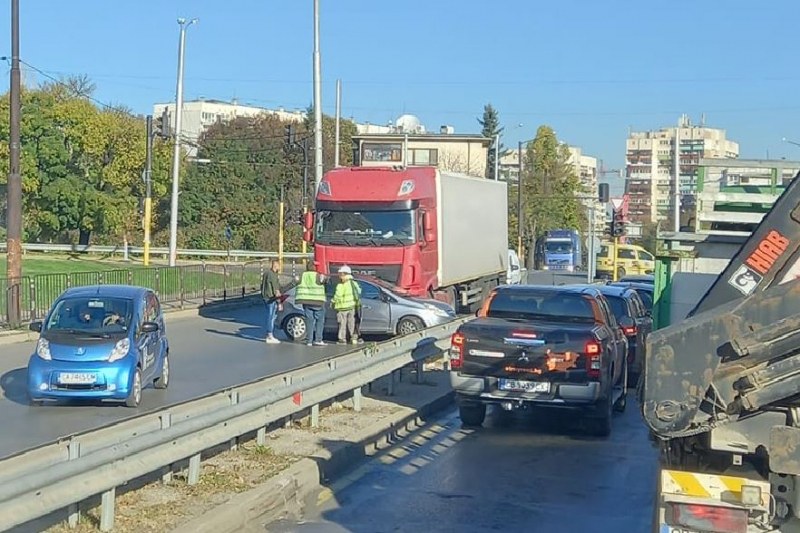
pixel 524 358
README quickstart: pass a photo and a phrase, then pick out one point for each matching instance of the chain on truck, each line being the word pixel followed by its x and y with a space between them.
pixel 721 392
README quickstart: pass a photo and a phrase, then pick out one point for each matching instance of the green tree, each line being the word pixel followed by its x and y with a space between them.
pixel 490 127
pixel 550 186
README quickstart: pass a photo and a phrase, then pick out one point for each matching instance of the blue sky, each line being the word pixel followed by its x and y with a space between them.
pixel 589 68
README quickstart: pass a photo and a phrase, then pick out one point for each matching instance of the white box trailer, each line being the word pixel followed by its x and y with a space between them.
pixel 472 226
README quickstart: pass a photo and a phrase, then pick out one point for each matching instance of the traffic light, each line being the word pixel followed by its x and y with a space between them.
pixel 617 223
pixel 162 128
pixel 289 129
pixel 603 193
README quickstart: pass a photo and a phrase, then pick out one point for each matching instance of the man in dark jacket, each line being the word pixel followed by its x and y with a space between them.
pixel 271 292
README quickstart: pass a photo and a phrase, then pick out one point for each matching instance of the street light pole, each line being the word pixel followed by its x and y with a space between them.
pixel 317 101
pixel 519 204
pixel 14 184
pixel 176 156
pixel 791 142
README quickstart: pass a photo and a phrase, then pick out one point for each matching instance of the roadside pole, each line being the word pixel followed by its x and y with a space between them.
pixel 148 202
pixel 280 229
pixel 614 263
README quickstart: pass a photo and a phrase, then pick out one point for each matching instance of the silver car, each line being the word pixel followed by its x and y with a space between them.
pixel 383 311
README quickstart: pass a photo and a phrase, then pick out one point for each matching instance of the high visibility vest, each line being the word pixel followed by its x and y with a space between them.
pixel 309 290
pixel 347 295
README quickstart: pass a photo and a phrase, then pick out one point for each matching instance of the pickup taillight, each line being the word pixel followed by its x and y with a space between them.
pixel 592 351
pixel 456 351
pixel 629 331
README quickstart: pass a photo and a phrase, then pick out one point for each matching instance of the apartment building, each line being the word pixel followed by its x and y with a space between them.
pixel 409 143
pixel 650 168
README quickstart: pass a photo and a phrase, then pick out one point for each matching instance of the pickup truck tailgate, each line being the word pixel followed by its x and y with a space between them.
pixel 528 351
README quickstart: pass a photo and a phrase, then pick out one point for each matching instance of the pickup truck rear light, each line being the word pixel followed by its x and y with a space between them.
pixel 709 518
pixel 456 351
pixel 629 331
pixel 593 352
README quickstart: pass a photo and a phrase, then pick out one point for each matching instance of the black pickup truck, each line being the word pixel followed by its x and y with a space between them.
pixel 533 345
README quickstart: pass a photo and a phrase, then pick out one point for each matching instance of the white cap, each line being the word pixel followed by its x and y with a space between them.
pixel 344 269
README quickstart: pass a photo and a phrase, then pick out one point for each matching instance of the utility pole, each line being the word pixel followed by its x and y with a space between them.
pixel 519 204
pixel 338 121
pixel 305 188
pixel 280 228
pixel 176 156
pixel 14 187
pixel 148 202
pixel 497 157
pixel 317 102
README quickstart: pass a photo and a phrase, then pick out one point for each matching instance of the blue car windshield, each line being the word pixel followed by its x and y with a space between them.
pixel 103 315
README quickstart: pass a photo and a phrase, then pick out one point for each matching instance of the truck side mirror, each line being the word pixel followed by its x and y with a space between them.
pixel 308 220
pixel 427 226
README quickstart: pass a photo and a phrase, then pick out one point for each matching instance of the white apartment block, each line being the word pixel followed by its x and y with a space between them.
pixel 650 171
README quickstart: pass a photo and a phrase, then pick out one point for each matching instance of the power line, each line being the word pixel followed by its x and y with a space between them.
pixel 59 82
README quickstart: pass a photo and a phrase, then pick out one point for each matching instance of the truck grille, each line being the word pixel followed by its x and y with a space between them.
pixel 389 273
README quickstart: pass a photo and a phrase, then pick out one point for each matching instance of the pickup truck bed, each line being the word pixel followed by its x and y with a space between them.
pixel 556 347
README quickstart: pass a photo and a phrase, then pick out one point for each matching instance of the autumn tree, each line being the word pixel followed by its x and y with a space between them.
pixel 551 186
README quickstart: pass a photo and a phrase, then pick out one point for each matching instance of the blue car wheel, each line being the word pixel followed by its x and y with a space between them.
pixel 135 396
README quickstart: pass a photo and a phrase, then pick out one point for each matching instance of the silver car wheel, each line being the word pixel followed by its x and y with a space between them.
pixel 295 327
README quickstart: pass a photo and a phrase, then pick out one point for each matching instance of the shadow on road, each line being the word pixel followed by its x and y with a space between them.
pixel 14 385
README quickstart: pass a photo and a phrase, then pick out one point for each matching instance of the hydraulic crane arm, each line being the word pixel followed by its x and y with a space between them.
pixel 739 350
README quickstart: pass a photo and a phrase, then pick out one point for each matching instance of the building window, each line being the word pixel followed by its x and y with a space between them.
pixel 423 157
pixel 391 152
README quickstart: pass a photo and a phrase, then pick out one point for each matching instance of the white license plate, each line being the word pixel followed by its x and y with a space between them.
pixel 516 385
pixel 77 378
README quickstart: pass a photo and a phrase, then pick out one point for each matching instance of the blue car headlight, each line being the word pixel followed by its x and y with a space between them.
pixel 120 350
pixel 43 349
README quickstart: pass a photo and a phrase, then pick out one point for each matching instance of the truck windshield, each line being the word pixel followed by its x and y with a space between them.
pixel 366 228
pixel 556 247
pixel 540 305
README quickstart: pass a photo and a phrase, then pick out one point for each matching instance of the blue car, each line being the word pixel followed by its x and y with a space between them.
pixel 102 342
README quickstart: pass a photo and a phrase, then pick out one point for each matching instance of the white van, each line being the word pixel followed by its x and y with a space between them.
pixel 515 270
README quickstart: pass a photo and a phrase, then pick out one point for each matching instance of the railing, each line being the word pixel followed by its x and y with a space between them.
pixel 182 286
pixel 79 467
pixel 136 250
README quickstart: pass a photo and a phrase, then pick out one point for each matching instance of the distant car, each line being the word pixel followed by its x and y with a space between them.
pixel 103 342
pixel 636 322
pixel 384 311
pixel 515 271
pixel 645 290
pixel 639 278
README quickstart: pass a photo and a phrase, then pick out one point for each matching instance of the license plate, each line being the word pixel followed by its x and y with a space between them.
pixel 516 385
pixel 77 378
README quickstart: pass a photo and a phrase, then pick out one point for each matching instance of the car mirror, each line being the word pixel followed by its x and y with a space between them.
pixel 36 326
pixel 149 327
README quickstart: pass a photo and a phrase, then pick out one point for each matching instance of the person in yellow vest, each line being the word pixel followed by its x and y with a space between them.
pixel 310 294
pixel 346 301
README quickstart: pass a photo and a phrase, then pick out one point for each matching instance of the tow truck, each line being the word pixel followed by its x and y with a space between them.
pixel 721 392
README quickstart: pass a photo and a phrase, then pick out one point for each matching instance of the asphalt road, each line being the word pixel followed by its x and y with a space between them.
pixel 207 353
pixel 517 473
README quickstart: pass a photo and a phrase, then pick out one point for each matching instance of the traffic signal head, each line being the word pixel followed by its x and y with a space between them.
pixel 603 193
pixel 289 130
pixel 617 223
pixel 162 128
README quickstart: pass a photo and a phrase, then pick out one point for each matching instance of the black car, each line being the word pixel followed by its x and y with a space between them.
pixel 636 320
pixel 646 291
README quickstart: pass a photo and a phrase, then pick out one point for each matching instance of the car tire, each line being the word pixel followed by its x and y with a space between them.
pixel 162 382
pixel 409 324
pixel 295 328
pixel 472 414
pixel 600 425
pixel 135 394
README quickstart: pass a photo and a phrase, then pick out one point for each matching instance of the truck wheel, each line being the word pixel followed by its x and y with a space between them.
pixel 409 324
pixel 472 414
pixel 600 426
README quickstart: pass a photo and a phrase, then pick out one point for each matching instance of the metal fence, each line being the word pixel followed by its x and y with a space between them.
pixel 181 286
pixel 155 251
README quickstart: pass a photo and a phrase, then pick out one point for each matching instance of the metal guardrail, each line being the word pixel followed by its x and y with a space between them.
pixel 181 286
pixel 181 252
pixel 63 474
